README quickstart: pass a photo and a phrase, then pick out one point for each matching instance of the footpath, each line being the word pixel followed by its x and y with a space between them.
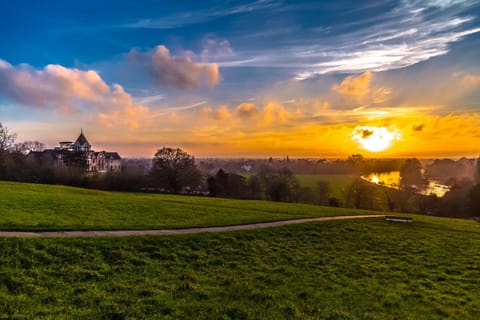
pixel 165 232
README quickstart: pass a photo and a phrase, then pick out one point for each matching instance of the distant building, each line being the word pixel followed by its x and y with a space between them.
pixel 79 154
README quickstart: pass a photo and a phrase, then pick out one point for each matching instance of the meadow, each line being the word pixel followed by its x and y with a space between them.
pixel 26 206
pixel 356 269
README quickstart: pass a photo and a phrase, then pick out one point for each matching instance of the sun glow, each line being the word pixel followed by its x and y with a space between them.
pixel 375 139
pixel 375 180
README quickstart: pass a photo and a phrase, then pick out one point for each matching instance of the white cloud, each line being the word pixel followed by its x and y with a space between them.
pixel 181 19
pixel 411 32
pixel 214 48
pixel 54 86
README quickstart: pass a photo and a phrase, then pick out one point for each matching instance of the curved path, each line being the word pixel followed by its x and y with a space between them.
pixel 164 232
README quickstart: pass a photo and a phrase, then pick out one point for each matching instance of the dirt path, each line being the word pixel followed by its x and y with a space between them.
pixel 127 233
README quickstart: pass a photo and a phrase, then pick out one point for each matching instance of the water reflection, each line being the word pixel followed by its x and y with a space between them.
pixel 392 180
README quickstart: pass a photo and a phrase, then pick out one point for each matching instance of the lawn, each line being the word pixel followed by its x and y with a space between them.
pixel 338 182
pixel 356 269
pixel 44 207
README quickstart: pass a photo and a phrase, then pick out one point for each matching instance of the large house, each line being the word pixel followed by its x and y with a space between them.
pixel 79 153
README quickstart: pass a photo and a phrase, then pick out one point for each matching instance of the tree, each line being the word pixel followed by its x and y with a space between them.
pixel 411 174
pixel 212 186
pixel 474 199
pixel 255 186
pixel 323 189
pixel 28 146
pixel 362 195
pixel 174 170
pixel 279 184
pixel 7 138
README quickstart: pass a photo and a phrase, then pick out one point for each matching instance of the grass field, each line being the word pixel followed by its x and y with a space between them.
pixel 357 269
pixel 338 182
pixel 43 207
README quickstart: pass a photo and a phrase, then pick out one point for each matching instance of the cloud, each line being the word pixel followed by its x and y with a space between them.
pixel 205 112
pixel 221 113
pixel 124 111
pixel 62 89
pixel 418 127
pixel 181 19
pixel 381 95
pixel 175 71
pixel 471 79
pixel 54 86
pixel 274 113
pixel 247 110
pixel 354 85
pixel 214 48
pixel 365 133
pixel 383 37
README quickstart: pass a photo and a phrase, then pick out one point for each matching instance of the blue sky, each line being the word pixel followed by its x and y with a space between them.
pixel 239 78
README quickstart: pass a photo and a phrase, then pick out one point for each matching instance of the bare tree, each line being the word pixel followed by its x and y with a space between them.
pixel 7 138
pixel 28 146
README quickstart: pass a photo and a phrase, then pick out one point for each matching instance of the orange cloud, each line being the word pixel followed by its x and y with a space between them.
pixel 247 110
pixel 471 79
pixel 125 111
pixel 274 112
pixel 221 113
pixel 205 112
pixel 354 85
pixel 381 95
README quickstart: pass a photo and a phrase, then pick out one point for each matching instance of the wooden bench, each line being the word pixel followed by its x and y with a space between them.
pixel 398 219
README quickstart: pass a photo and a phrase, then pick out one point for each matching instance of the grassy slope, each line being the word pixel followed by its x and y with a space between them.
pixel 43 207
pixel 338 182
pixel 363 269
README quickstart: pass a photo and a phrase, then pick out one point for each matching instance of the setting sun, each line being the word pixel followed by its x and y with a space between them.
pixel 375 139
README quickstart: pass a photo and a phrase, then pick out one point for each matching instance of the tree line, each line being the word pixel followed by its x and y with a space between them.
pixel 175 171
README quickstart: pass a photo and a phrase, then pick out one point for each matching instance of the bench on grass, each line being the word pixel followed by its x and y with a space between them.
pixel 398 219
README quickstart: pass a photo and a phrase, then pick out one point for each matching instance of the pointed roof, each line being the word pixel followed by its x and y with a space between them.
pixel 81 140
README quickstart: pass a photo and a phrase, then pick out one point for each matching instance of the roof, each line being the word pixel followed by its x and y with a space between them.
pixel 42 154
pixel 112 155
pixel 108 155
pixel 81 140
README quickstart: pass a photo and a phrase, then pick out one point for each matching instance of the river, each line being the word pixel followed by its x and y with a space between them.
pixel 392 180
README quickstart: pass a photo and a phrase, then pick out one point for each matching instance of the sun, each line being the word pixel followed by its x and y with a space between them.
pixel 375 139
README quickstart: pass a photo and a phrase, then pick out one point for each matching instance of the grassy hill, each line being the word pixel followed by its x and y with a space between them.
pixel 26 206
pixel 356 269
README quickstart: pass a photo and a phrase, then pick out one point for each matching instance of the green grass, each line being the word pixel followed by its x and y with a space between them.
pixel 43 207
pixel 338 182
pixel 356 269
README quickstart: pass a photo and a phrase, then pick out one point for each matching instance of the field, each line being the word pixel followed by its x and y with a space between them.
pixel 338 182
pixel 43 207
pixel 357 269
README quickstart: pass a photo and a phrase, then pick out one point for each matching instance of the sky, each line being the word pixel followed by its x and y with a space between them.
pixel 255 78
